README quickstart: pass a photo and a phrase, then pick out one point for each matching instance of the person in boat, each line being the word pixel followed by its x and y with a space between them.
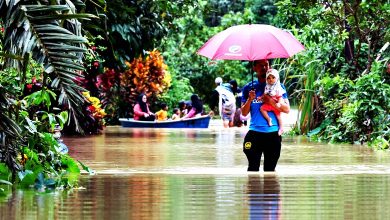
pixel 183 108
pixel 176 114
pixel 162 115
pixel 197 107
pixel 141 109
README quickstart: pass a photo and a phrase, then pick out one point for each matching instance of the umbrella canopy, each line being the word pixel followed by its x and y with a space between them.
pixel 251 42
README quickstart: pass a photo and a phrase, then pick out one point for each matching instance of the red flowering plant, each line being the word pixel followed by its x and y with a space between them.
pixel 19 84
pixel 94 108
pixel 93 66
pixel 147 75
pixel 1 28
pixel 108 85
pixel 93 121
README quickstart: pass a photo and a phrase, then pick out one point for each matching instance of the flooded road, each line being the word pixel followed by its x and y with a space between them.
pixel 201 174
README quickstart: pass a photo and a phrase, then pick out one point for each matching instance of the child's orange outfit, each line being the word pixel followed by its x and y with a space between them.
pixel 162 115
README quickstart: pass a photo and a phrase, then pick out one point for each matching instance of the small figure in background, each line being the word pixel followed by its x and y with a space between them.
pixel 162 115
pixel 197 107
pixel 223 97
pixel 183 108
pixel 176 114
pixel 141 109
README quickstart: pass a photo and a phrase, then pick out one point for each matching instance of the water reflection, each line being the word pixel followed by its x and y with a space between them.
pixel 201 174
pixel 264 196
pixel 253 196
pixel 225 149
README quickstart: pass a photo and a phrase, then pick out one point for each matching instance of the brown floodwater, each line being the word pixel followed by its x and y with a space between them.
pixel 201 174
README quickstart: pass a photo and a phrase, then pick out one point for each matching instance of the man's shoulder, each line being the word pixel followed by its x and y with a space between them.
pixel 225 86
pixel 224 90
pixel 247 86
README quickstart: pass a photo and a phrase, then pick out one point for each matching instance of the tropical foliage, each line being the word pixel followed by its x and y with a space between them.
pixel 178 29
pixel 341 79
pixel 129 28
pixel 42 49
pixel 92 113
pixel 125 31
pixel 120 90
pixel 93 117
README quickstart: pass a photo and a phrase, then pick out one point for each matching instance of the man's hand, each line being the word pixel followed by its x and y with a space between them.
pixel 245 107
pixel 211 113
pixel 252 95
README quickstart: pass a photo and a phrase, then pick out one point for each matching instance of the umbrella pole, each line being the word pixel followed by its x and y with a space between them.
pixel 251 72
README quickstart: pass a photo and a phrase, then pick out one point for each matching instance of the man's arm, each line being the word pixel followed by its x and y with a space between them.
pixel 283 107
pixel 246 106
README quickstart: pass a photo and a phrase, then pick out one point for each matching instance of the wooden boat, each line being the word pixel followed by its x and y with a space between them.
pixel 197 122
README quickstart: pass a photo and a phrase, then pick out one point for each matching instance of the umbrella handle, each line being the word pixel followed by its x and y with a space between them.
pixel 251 72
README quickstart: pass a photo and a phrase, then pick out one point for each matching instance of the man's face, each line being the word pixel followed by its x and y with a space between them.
pixel 261 67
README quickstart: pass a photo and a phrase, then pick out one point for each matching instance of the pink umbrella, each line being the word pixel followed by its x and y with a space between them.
pixel 251 42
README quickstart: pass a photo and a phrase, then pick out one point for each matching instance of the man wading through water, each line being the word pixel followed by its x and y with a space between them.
pixel 261 138
pixel 223 97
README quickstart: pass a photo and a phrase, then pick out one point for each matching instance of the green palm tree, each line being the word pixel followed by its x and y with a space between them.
pixel 50 33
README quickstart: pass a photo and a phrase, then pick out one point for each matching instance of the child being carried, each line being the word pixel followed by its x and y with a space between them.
pixel 275 90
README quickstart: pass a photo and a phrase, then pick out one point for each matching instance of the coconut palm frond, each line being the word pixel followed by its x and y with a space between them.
pixel 51 33
pixel 9 152
pixel 10 134
pixel 7 124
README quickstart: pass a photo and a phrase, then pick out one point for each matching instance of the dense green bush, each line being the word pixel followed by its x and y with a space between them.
pixel 341 78
pixel 357 111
